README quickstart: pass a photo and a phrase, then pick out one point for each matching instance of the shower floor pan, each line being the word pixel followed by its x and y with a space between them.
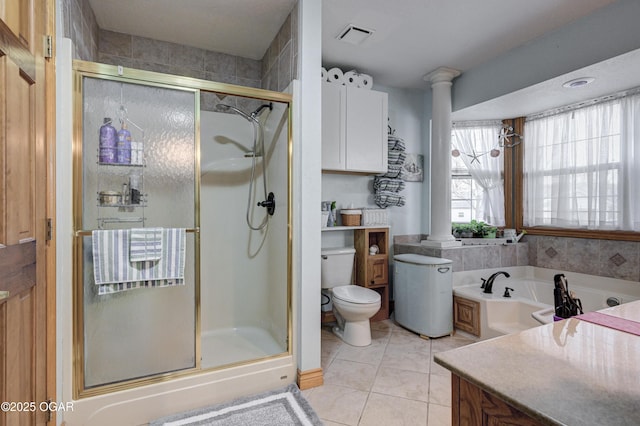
pixel 234 345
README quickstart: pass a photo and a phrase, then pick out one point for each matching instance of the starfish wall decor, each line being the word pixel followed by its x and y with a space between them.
pixel 504 141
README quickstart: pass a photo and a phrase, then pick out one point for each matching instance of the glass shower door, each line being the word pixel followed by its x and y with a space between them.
pixel 146 180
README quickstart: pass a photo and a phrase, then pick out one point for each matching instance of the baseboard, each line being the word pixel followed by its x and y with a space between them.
pixel 310 378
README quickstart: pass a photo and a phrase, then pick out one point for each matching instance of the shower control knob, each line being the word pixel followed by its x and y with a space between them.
pixel 269 203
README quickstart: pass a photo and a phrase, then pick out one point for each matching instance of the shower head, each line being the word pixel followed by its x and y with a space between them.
pixel 229 108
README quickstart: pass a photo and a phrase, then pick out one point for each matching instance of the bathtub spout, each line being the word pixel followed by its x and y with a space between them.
pixel 489 284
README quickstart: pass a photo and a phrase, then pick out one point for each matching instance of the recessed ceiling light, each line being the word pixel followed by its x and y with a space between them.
pixel 578 82
pixel 354 35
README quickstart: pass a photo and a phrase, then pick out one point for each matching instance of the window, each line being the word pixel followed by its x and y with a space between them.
pixel 477 188
pixel 580 167
pixel 465 193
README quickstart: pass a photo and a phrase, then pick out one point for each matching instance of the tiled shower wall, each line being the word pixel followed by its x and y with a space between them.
pixel 280 61
pixel 274 71
pixel 79 24
pixel 604 258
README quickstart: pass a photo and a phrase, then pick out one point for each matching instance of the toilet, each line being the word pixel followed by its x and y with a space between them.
pixel 353 305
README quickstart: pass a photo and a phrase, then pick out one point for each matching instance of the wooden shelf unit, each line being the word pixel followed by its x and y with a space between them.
pixel 372 270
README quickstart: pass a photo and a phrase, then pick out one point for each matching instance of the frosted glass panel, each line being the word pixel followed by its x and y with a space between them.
pixel 144 331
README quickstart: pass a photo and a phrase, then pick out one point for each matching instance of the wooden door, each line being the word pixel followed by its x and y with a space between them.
pixel 24 129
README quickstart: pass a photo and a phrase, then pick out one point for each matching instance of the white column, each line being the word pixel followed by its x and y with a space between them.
pixel 440 233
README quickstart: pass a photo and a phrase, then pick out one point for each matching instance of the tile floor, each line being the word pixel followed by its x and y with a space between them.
pixel 394 381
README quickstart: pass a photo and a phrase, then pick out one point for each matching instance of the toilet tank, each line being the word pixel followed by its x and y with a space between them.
pixel 336 267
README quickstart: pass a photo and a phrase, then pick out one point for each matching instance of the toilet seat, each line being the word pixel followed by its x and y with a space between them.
pixel 356 294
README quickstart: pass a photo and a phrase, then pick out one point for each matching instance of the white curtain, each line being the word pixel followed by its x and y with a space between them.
pixel 475 143
pixel 582 167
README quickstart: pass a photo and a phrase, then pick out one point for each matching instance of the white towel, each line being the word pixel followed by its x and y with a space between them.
pixel 113 271
pixel 145 244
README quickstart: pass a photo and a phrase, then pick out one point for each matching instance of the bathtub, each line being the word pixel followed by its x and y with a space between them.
pixel 531 302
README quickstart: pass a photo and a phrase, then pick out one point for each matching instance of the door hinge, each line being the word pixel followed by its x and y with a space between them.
pixel 48 47
pixel 49 229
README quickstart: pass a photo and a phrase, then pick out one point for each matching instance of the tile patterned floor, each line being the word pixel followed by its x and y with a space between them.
pixel 394 381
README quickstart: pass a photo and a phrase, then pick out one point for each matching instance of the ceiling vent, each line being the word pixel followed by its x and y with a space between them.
pixel 354 35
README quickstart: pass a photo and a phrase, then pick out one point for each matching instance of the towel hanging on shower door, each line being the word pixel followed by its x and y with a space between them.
pixel 114 271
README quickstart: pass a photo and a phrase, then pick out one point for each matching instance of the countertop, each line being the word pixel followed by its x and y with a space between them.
pixel 570 372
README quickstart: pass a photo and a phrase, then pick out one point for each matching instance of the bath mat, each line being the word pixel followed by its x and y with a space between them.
pixel 279 407
pixel 617 323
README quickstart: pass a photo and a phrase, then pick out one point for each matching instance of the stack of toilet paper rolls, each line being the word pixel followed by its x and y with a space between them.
pixel 349 78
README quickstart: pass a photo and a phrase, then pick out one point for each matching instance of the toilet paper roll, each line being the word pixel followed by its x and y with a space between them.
pixel 366 81
pixel 325 74
pixel 336 76
pixel 352 78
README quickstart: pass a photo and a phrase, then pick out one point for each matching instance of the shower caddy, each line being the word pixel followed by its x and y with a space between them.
pixel 126 201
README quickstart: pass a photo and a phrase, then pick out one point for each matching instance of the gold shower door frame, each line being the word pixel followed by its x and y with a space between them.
pixel 82 69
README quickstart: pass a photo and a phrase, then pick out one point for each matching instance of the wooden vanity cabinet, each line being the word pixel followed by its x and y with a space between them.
pixel 466 315
pixel 372 270
pixel 471 405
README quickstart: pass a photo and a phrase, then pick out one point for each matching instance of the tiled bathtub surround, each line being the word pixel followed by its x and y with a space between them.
pixel 469 258
pixel 605 258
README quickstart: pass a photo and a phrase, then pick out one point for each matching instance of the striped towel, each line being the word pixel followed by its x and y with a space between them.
pixel 387 184
pixel 393 171
pixel 145 244
pixel 386 199
pixel 396 143
pixel 113 271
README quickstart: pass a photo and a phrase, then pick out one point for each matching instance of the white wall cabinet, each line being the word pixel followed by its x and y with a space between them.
pixel 354 129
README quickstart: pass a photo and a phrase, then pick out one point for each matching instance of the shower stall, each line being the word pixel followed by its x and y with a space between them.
pixel 242 162
pixel 218 177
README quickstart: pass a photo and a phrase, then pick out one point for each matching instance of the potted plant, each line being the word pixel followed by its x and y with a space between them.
pixel 477 228
pixel 489 231
pixel 481 229
pixel 461 230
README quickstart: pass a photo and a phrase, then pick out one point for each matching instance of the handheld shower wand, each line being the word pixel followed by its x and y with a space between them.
pixel 258 139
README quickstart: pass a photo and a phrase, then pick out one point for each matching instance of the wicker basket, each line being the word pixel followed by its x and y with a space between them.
pixel 351 217
pixel 372 217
